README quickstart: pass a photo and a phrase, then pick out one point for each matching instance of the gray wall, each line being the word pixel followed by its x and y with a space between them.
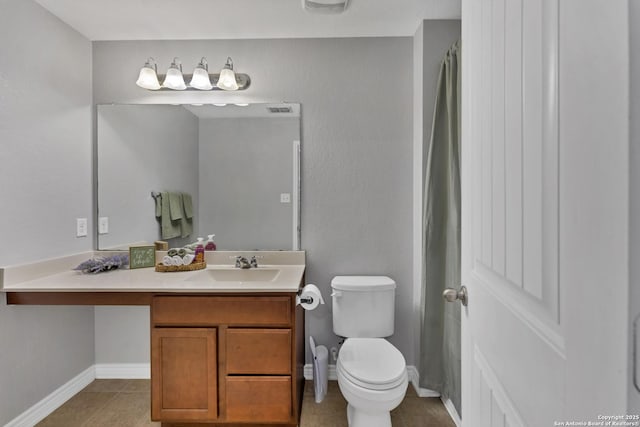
pixel 143 149
pixel 245 164
pixel 45 134
pixel 356 146
pixel 634 196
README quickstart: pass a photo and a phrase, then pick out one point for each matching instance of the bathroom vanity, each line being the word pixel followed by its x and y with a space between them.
pixel 223 351
pixel 227 358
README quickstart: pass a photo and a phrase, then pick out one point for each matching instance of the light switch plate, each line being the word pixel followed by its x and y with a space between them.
pixel 81 227
pixel 285 197
pixel 103 225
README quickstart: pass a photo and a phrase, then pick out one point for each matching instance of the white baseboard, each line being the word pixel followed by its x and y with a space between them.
pixel 308 372
pixel 448 404
pixel 53 401
pixel 123 370
pixel 414 378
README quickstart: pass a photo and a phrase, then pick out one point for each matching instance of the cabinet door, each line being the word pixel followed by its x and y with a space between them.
pixel 183 374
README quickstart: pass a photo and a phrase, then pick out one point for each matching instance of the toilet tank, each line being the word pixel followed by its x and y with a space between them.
pixel 363 306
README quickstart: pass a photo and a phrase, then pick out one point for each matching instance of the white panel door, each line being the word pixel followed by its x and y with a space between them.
pixel 525 348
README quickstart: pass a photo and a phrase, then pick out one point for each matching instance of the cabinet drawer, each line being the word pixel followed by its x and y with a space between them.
pixel 258 399
pixel 217 310
pixel 259 351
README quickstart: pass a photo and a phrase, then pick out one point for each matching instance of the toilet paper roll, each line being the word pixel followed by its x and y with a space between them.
pixel 310 297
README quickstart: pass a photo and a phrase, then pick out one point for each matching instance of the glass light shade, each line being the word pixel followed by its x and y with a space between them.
pixel 148 79
pixel 200 79
pixel 227 80
pixel 174 79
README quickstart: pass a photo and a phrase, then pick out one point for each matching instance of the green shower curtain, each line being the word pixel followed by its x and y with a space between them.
pixel 440 331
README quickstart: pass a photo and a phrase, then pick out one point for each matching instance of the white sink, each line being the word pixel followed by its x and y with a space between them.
pixel 237 275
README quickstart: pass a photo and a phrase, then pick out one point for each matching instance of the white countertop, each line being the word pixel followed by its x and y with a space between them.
pixel 57 276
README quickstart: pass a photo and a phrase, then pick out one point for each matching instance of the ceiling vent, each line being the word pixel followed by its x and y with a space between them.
pixel 325 6
pixel 277 110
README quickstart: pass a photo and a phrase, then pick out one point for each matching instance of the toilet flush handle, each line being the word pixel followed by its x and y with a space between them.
pixel 336 294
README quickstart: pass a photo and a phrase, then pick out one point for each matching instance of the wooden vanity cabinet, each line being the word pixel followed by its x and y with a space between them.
pixel 226 359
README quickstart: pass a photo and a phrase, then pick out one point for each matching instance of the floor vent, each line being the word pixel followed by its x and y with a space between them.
pixel 276 110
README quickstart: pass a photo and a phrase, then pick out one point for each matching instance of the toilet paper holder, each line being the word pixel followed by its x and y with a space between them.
pixel 307 300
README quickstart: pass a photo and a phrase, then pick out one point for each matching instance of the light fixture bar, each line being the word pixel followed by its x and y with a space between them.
pixel 201 80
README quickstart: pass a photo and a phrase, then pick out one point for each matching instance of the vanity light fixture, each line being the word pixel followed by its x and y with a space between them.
pixel 148 77
pixel 200 79
pixel 174 78
pixel 227 79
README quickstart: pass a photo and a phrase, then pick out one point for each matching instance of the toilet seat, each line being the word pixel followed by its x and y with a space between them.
pixel 372 363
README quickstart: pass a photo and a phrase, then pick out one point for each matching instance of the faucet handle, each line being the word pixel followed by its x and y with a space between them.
pixel 254 261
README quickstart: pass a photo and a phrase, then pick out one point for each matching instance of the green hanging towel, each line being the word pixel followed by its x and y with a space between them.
pixel 168 229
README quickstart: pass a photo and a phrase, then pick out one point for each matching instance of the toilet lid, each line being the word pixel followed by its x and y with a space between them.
pixel 372 363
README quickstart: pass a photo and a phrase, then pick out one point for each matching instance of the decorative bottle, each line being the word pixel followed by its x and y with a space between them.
pixel 210 246
pixel 199 250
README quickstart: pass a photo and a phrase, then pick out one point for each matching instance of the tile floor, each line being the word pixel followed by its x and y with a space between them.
pixel 125 403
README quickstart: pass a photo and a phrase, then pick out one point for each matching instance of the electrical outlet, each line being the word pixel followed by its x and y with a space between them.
pixel 285 198
pixel 81 227
pixel 103 225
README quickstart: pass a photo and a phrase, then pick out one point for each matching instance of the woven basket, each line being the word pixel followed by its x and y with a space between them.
pixel 173 268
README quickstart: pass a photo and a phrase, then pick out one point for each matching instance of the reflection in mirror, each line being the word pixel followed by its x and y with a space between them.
pixel 239 165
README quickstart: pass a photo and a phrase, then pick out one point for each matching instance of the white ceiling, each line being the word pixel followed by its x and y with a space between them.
pixel 243 19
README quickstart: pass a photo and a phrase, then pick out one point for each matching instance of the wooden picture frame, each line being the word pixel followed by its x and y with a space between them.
pixel 142 256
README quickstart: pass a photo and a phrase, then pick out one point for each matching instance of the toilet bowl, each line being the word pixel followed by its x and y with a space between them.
pixel 373 379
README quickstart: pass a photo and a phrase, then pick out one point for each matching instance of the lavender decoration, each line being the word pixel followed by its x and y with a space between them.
pixel 99 265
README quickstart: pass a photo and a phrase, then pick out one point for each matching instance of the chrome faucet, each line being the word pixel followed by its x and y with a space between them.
pixel 242 262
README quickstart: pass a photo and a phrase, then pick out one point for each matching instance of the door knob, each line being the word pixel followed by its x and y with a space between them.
pixel 451 295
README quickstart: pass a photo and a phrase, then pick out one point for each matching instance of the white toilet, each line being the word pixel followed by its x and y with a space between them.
pixel 372 373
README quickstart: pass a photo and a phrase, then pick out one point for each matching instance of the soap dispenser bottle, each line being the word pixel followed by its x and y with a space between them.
pixel 199 250
pixel 210 246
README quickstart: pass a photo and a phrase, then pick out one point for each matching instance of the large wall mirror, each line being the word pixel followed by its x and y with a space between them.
pixel 237 165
